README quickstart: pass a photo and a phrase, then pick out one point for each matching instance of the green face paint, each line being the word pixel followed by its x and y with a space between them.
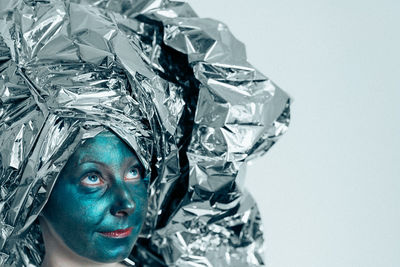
pixel 100 192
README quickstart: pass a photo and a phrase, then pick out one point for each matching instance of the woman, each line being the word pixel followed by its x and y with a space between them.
pixel 101 197
pixel 174 88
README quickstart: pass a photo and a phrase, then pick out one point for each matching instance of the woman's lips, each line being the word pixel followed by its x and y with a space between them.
pixel 120 233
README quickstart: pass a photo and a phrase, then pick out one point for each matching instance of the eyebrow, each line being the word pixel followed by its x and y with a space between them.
pixel 132 162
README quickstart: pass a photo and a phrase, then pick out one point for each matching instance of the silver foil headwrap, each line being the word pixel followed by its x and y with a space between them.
pixel 177 88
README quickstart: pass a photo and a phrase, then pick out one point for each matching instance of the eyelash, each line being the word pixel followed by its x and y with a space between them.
pixel 89 175
pixel 137 177
pixel 138 174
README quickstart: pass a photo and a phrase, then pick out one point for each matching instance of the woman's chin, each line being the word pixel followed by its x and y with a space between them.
pixel 110 258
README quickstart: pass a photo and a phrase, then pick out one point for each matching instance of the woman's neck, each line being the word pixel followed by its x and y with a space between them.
pixel 55 261
pixel 59 255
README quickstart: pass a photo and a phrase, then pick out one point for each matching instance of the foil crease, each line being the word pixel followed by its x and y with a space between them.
pixel 177 88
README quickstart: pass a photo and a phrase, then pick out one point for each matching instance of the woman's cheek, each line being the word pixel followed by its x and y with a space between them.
pixel 86 208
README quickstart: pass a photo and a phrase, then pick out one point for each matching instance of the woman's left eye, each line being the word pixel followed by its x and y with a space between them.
pixel 133 174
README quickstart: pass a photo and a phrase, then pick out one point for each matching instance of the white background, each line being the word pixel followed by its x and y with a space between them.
pixel 329 190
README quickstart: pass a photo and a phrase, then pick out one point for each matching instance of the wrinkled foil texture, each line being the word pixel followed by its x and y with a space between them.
pixel 177 88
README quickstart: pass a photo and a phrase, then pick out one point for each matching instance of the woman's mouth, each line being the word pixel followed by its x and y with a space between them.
pixel 120 233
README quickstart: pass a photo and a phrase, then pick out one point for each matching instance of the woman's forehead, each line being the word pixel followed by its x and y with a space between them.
pixel 104 147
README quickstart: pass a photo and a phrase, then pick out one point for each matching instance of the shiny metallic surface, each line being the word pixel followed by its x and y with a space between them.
pixel 175 87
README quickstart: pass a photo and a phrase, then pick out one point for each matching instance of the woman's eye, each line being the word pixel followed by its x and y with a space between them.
pixel 92 180
pixel 133 174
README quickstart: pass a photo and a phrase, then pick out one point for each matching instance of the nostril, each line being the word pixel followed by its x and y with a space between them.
pixel 121 213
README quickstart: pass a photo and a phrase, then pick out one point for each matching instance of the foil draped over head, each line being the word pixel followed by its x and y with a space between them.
pixel 175 87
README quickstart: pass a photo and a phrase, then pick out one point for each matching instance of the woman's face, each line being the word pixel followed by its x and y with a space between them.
pixel 99 202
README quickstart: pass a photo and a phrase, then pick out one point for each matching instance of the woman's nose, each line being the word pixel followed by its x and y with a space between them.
pixel 123 205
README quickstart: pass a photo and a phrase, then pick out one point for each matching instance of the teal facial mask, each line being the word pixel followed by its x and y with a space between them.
pixel 99 202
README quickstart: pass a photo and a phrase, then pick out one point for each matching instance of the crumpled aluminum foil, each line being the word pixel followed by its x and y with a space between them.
pixel 177 88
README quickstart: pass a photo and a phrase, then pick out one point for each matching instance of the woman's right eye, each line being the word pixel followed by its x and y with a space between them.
pixel 92 179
